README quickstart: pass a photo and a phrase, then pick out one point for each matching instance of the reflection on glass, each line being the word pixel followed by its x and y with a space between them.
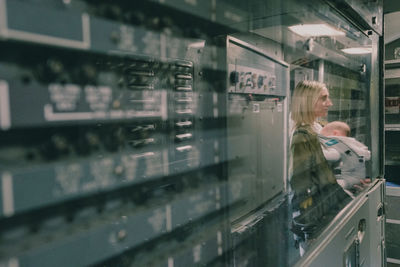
pixel 315 30
pixel 357 50
pixel 157 133
pixel 317 197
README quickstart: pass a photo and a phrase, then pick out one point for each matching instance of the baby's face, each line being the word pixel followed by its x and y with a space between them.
pixel 333 132
pixel 339 133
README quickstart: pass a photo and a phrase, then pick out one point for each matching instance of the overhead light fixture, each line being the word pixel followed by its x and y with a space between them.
pixel 357 50
pixel 308 30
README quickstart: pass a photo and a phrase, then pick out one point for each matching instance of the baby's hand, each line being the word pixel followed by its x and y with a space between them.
pixel 365 181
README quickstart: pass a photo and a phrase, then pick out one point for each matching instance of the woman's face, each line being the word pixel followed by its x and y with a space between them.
pixel 323 104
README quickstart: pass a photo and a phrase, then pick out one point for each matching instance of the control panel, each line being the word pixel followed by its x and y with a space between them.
pixel 113 138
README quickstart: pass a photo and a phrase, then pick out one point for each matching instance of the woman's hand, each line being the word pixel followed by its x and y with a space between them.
pixel 306 203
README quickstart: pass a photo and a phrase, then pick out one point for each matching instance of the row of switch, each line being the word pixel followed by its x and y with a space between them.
pixel 184 103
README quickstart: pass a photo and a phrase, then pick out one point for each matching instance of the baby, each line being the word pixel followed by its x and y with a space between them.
pixel 346 155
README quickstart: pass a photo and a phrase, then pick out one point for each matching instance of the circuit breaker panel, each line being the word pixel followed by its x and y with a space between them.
pixel 107 156
pixel 257 117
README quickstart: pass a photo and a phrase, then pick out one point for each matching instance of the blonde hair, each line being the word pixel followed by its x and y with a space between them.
pixel 304 98
pixel 340 126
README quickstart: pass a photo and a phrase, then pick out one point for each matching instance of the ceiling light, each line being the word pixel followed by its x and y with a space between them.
pixel 357 50
pixel 315 30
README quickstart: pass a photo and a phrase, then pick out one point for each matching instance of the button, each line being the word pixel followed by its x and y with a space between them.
pixel 184 111
pixel 183 137
pixel 184 88
pixel 184 63
pixel 184 124
pixel 183 76
pixel 184 148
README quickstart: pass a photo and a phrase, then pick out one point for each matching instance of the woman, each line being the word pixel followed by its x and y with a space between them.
pixel 316 195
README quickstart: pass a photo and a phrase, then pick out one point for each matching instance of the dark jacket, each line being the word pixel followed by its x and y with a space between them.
pixel 316 195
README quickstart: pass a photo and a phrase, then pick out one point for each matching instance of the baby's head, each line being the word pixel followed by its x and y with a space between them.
pixel 336 128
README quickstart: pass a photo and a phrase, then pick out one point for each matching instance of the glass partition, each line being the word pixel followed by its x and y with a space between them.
pixel 178 132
